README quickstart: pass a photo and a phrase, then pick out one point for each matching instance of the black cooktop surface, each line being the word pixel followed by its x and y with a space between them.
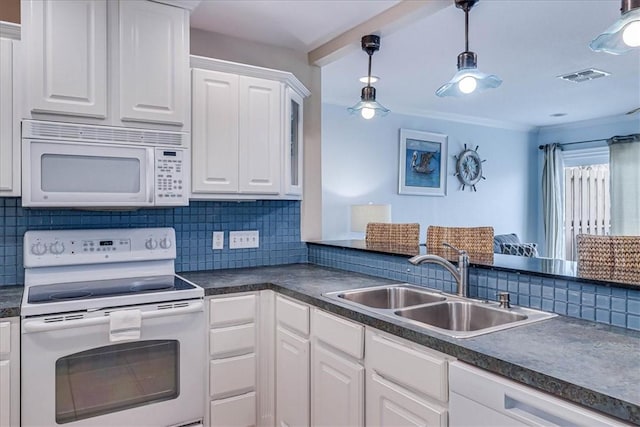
pixel 105 288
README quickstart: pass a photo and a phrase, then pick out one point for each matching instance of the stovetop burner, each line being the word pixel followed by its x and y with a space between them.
pixel 105 288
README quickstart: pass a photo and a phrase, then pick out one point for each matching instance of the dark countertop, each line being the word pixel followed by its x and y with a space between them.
pixel 10 300
pixel 591 364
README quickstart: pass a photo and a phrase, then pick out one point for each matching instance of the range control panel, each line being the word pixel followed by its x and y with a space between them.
pixel 43 248
pixel 171 186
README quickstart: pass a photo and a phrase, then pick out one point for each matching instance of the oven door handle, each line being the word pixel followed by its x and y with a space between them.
pixel 31 326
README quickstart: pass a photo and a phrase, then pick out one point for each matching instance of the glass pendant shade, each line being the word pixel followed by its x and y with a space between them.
pixel 368 107
pixel 468 79
pixel 620 37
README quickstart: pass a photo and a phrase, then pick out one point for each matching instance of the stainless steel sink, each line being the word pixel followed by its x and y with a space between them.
pixel 460 316
pixel 450 315
pixel 390 297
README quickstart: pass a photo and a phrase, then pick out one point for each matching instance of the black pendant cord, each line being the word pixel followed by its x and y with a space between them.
pixel 369 73
pixel 466 29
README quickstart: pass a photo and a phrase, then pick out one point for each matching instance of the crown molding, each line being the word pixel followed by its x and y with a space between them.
pixel 250 70
pixel 183 4
pixel 9 30
pixel 620 118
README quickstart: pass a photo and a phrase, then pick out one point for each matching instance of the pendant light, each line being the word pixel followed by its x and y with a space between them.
pixel 368 107
pixel 468 79
pixel 624 34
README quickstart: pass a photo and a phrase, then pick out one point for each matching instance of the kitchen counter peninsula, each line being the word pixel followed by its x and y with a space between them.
pixel 588 363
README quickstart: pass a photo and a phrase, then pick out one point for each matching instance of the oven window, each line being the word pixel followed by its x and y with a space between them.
pixel 116 377
pixel 69 173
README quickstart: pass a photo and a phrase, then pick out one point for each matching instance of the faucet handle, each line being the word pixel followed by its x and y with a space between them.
pixel 460 251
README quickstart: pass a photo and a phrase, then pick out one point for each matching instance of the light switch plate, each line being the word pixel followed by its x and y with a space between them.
pixel 244 239
pixel 218 240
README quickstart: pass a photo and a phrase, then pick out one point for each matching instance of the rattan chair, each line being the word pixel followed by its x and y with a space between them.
pixel 474 240
pixel 393 234
pixel 610 258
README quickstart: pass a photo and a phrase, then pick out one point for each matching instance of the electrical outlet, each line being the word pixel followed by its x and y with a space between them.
pixel 218 240
pixel 244 239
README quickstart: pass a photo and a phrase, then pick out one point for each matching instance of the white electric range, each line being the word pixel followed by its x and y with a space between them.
pixel 110 334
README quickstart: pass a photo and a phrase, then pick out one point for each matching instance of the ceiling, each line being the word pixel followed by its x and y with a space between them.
pixel 528 43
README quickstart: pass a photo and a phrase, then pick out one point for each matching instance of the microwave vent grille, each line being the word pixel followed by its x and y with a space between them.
pixel 87 133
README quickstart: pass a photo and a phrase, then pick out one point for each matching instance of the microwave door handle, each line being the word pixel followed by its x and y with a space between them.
pixel 151 174
pixel 43 326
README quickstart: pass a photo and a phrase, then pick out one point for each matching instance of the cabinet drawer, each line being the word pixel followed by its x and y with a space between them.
pixel 415 368
pixel 237 411
pixel 339 333
pixel 233 375
pixel 292 315
pixel 5 337
pixel 232 340
pixel 232 310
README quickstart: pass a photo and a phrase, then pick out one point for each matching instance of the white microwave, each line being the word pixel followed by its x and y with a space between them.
pixel 74 165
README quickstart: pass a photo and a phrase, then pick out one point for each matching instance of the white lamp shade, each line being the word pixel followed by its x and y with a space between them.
pixel 361 215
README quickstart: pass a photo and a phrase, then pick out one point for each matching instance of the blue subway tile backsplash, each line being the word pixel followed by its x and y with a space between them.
pixel 278 223
pixel 611 305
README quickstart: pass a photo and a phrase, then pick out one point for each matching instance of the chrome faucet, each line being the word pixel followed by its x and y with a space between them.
pixel 461 274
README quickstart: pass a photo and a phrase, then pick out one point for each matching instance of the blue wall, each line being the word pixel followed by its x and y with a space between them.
pixel 277 221
pixel 360 165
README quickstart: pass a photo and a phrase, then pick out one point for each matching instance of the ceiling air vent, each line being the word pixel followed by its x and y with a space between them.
pixel 584 75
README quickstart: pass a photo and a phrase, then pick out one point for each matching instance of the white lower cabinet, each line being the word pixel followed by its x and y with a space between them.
pixel 292 363
pixel 389 404
pixel 232 364
pixel 406 382
pixel 9 372
pixel 481 399
pixel 337 371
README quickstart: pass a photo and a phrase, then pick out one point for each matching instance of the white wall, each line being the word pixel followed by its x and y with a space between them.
pixel 360 165
pixel 214 45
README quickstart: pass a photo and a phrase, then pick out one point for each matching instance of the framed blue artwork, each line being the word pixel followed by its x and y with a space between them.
pixel 422 163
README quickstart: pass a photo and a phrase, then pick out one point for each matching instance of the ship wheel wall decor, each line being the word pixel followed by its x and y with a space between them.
pixel 469 168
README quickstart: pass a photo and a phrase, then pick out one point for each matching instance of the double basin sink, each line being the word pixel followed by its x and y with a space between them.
pixel 450 315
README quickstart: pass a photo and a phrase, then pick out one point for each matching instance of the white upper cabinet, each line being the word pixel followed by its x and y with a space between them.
pixel 120 63
pixel 9 119
pixel 241 145
pixel 294 136
pixel 153 46
pixel 66 48
pixel 214 130
pixel 260 135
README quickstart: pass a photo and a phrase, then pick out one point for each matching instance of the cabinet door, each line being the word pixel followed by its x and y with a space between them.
pixel 337 393
pixel 9 123
pixel 260 135
pixel 66 56
pixel 292 379
pixel 391 405
pixel 152 53
pixel 214 150
pixel 293 143
pixel 5 394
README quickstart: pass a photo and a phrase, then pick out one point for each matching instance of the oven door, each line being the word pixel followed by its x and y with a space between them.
pixel 62 174
pixel 76 371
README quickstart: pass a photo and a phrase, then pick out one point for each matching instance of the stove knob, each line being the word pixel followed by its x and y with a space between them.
pixel 38 248
pixel 165 243
pixel 56 247
pixel 150 244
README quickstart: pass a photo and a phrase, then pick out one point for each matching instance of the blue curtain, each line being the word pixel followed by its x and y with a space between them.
pixel 553 201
